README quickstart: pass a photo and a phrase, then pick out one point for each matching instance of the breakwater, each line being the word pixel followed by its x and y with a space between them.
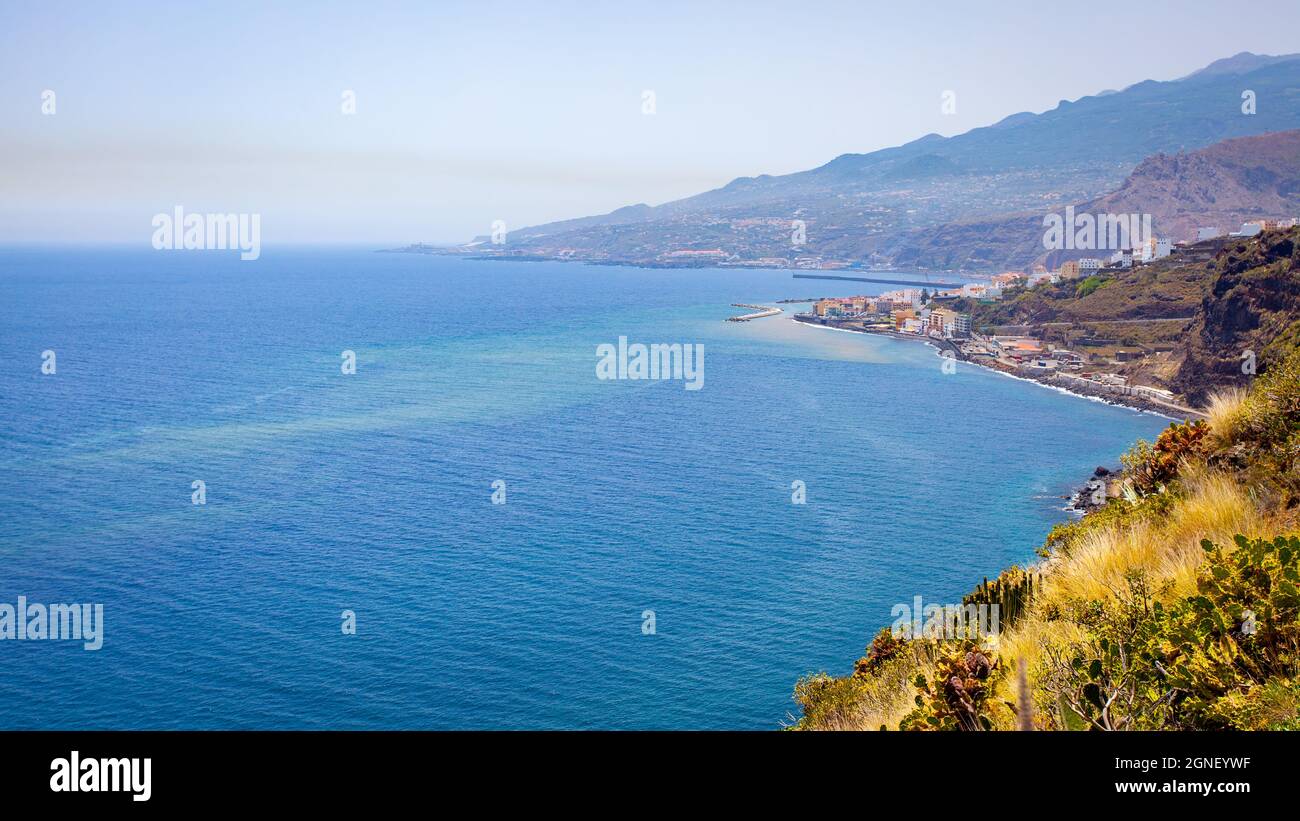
pixel 760 311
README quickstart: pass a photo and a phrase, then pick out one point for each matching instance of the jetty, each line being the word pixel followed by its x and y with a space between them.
pixel 760 312
pixel 914 283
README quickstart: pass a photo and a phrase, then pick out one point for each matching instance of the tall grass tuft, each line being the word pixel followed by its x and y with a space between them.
pixel 1225 412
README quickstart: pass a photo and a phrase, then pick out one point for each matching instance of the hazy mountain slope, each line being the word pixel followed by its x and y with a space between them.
pixel 1222 185
pixel 1241 63
pixel 858 205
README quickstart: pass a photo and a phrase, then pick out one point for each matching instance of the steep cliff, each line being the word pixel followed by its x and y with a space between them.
pixel 1249 320
pixel 1171 606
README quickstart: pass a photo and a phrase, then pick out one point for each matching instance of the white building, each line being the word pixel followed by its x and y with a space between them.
pixel 1155 248
pixel 980 290
pixel 960 326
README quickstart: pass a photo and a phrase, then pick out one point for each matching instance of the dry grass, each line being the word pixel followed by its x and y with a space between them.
pixel 1225 412
pixel 885 698
pixel 1212 499
pixel 1166 551
pixel 1095 568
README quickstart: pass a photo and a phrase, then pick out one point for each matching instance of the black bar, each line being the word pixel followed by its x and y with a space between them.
pixel 330 769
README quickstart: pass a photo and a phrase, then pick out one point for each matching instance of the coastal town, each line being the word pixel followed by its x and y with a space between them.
pixel 1089 365
pixel 911 314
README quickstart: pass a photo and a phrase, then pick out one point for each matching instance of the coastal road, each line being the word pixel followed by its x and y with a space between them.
pixel 1144 321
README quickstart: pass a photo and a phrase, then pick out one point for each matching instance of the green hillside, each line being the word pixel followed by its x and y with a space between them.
pixel 1209 305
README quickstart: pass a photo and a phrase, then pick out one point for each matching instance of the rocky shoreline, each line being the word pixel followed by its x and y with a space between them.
pixel 1103 484
pixel 1078 387
pixel 1075 387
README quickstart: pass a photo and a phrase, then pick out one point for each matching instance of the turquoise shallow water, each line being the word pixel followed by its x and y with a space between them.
pixel 372 492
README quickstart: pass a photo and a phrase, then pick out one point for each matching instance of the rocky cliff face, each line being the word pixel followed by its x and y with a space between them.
pixel 1224 185
pixel 1250 319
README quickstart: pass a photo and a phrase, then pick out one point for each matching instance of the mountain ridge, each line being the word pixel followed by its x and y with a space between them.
pixel 1221 185
pixel 857 207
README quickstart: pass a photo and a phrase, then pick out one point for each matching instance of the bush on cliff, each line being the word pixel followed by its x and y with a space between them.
pixel 1173 606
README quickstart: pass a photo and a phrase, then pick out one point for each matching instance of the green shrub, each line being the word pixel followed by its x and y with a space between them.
pixel 958 698
pixel 884 647
pixel 1087 286
pixel 1011 591
pixel 1226 657
pixel 827 702
pixel 1265 441
pixel 1151 466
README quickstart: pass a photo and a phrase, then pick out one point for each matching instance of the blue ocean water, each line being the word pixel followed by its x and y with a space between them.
pixel 372 492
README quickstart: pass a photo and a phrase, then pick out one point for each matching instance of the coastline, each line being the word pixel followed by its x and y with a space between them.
pixel 1082 497
pixel 1117 400
pixel 651 264
pixel 1078 502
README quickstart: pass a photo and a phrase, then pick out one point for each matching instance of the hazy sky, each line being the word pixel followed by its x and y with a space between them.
pixel 472 112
